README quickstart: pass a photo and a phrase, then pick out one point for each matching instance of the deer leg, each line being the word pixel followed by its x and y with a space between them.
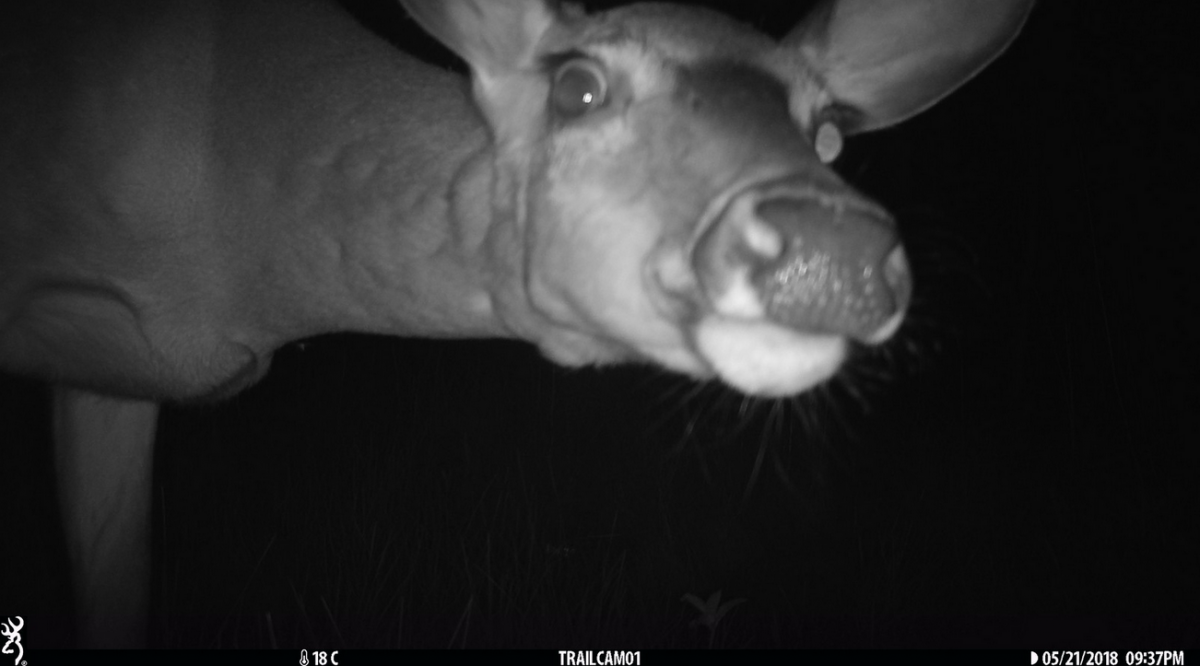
pixel 104 454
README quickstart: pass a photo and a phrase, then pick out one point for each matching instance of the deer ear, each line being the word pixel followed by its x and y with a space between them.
pixel 493 36
pixel 498 39
pixel 891 60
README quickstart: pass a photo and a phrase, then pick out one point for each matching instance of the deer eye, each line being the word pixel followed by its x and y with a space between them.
pixel 579 88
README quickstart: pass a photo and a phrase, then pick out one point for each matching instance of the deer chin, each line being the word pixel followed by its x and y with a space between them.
pixel 754 356
pixel 761 358
pixel 733 339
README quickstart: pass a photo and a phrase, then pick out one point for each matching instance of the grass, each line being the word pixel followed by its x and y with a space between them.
pixel 447 496
pixel 366 563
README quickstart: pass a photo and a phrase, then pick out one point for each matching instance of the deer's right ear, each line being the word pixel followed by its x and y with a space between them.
pixel 890 60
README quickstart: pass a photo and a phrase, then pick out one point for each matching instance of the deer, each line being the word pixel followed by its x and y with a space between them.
pixel 187 186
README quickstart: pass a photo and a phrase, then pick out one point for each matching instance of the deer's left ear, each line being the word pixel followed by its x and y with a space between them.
pixel 891 60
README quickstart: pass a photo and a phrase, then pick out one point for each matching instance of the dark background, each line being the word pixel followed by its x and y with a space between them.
pixel 1018 468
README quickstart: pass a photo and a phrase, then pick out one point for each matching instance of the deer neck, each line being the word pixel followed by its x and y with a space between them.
pixel 392 231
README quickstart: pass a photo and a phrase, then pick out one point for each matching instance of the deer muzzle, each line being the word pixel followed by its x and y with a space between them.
pixel 811 260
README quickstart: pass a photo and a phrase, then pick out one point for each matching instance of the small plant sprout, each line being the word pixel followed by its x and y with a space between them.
pixel 711 612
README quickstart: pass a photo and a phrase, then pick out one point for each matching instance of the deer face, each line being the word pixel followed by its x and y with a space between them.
pixel 664 172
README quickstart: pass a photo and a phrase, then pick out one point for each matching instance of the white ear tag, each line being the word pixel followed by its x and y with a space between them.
pixel 828 142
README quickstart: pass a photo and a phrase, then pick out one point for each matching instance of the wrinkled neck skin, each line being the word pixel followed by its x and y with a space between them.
pixel 485 244
pixel 437 251
pixel 476 284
